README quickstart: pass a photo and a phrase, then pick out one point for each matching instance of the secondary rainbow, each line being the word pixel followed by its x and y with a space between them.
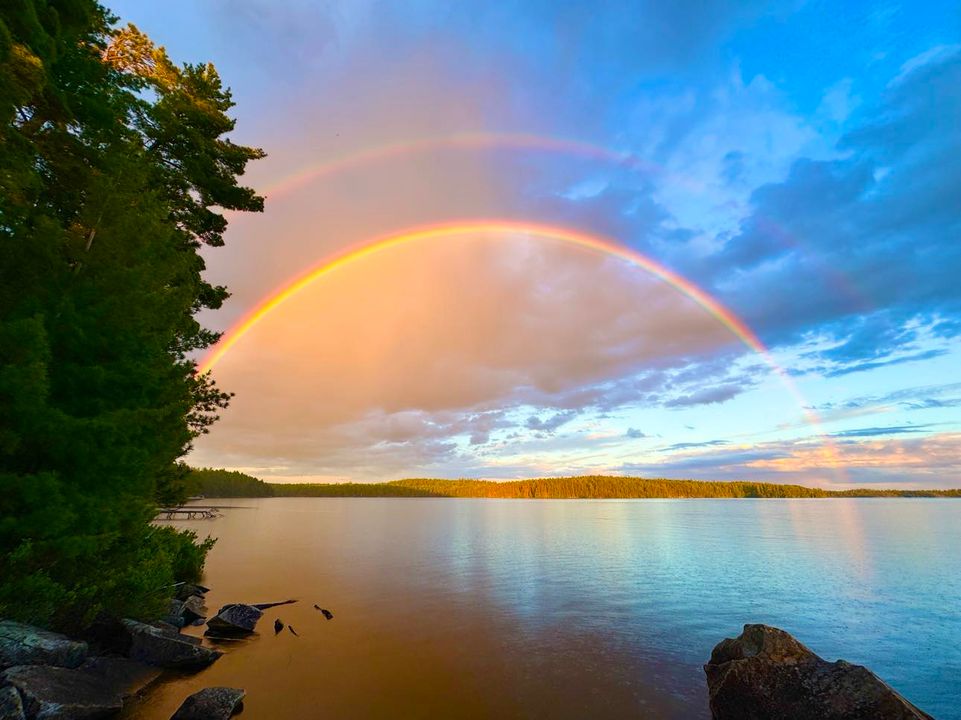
pixel 529 142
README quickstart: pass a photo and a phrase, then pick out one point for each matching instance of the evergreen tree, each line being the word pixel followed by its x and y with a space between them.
pixel 114 167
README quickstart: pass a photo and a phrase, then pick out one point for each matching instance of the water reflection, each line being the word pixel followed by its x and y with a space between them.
pixel 566 609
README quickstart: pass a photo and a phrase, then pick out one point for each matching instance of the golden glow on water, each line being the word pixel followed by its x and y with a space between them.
pixel 567 609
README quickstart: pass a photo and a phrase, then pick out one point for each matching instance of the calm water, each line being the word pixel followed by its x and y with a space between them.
pixel 570 609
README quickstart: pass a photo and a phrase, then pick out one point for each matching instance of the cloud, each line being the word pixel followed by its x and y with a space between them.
pixel 707 396
pixel 500 356
pixel 689 445
pixel 917 462
pixel 878 431
pixel 551 423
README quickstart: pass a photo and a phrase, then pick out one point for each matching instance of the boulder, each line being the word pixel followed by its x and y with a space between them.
pixel 57 693
pixel 11 706
pixel 234 619
pixel 175 613
pixel 194 610
pixel 126 677
pixel 213 703
pixel 26 645
pixel 185 590
pixel 167 629
pixel 163 649
pixel 766 673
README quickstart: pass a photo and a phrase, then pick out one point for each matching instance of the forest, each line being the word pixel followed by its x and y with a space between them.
pixel 116 169
pixel 223 483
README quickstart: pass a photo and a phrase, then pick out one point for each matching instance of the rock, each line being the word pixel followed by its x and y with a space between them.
pixel 766 673
pixel 175 613
pixel 194 610
pixel 163 649
pixel 58 693
pixel 26 645
pixel 234 619
pixel 11 706
pixel 126 677
pixel 213 703
pixel 167 629
pixel 185 590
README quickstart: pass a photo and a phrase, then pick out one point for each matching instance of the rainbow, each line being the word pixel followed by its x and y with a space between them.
pixel 591 242
pixel 577 238
pixel 544 144
pixel 472 141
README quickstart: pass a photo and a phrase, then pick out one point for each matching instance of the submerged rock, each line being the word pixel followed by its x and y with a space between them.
pixel 57 693
pixel 213 703
pixel 26 645
pixel 161 648
pixel 235 618
pixel 11 706
pixel 766 673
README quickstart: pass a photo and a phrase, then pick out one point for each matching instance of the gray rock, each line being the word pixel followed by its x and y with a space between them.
pixel 185 590
pixel 160 648
pixel 26 645
pixel 194 610
pixel 166 627
pixel 175 613
pixel 765 673
pixel 213 703
pixel 235 618
pixel 11 706
pixel 57 693
pixel 126 677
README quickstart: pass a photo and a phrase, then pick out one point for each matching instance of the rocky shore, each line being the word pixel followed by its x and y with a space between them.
pixel 763 674
pixel 48 676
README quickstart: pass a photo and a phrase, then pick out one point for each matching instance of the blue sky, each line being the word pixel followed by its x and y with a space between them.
pixel 795 160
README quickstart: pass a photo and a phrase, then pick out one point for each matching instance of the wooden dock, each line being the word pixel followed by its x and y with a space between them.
pixel 189 512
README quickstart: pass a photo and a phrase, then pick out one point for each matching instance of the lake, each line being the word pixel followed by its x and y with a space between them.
pixel 569 608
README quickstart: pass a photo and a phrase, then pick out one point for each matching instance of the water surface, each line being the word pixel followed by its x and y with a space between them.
pixel 567 608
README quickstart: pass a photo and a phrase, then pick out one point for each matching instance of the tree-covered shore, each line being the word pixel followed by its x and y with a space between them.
pixel 222 483
pixel 115 169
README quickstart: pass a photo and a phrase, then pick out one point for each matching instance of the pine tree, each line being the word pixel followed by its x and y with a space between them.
pixel 114 169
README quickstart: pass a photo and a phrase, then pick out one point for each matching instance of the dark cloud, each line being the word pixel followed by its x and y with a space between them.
pixel 863 248
pixel 635 434
pixel 706 396
pixel 551 423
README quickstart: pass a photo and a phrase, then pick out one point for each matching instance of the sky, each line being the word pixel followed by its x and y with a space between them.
pixel 792 162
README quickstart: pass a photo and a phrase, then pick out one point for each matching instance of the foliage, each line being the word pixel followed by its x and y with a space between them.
pixel 185 554
pixel 114 168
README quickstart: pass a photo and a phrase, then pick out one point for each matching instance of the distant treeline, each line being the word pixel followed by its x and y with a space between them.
pixel 223 483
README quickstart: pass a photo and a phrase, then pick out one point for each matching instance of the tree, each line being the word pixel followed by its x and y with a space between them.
pixel 114 167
